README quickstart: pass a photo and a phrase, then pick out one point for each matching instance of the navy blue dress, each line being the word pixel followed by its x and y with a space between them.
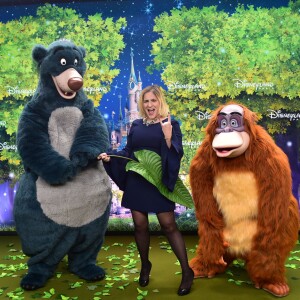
pixel 139 194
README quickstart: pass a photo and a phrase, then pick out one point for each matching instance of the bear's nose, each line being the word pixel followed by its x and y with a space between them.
pixel 75 83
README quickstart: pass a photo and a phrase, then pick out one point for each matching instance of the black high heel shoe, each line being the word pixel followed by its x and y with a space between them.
pixel 188 278
pixel 144 275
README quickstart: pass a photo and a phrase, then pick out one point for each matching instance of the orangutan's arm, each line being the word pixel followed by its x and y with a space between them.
pixel 276 227
pixel 210 221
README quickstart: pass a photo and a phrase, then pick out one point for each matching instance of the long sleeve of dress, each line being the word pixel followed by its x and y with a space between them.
pixel 171 157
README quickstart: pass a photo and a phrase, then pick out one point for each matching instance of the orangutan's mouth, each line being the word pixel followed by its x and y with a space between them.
pixel 224 150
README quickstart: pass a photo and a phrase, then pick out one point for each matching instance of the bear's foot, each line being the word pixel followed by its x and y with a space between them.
pixel 33 281
pixel 91 273
pixel 276 289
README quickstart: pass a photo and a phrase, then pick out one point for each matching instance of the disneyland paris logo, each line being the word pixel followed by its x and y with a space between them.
pixel 191 144
pixel 240 84
pixel 177 85
pixel 17 91
pixel 5 146
pixel 93 90
pixel 273 114
pixel 202 115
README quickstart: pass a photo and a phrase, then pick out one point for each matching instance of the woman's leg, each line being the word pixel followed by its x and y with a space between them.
pixel 169 227
pixel 142 239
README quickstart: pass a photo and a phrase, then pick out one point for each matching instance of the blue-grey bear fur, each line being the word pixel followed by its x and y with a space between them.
pixel 45 241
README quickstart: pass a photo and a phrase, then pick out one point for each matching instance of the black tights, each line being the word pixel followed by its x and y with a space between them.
pixel 176 241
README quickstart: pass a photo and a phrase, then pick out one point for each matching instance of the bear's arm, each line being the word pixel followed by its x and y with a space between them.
pixel 91 137
pixel 210 220
pixel 38 156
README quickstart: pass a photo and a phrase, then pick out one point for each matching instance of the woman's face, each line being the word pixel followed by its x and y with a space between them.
pixel 151 106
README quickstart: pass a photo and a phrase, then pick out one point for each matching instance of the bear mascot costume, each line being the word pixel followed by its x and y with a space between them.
pixel 62 204
pixel 242 190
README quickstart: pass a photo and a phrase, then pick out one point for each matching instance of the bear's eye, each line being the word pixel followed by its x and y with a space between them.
pixel 63 62
pixel 75 62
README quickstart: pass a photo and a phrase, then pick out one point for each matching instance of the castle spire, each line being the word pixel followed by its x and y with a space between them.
pixel 132 78
pixel 112 120
pixel 134 90
pixel 120 112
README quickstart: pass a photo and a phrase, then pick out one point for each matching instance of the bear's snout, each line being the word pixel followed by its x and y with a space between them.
pixel 75 83
pixel 68 83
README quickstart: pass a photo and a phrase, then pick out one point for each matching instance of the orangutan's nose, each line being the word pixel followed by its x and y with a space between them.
pixel 228 129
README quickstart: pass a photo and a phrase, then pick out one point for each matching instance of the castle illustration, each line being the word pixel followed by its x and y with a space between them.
pixel 119 131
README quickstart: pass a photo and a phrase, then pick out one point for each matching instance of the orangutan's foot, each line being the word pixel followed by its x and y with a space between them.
pixel 208 273
pixel 276 289
pixel 201 274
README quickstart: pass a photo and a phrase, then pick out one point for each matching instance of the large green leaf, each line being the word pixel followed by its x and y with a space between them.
pixel 149 166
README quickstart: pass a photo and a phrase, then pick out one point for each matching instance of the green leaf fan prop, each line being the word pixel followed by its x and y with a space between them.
pixel 149 166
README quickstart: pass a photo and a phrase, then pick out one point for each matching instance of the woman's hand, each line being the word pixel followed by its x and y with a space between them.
pixel 104 157
pixel 166 127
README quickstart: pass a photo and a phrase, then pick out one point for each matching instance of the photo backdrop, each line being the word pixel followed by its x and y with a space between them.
pixel 203 53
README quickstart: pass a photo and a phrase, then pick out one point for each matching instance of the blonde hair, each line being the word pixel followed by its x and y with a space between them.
pixel 159 94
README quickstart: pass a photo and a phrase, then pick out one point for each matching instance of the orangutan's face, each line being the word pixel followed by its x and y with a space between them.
pixel 231 139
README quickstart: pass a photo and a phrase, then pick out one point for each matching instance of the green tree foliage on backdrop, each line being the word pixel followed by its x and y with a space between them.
pixel 208 57
pixel 18 77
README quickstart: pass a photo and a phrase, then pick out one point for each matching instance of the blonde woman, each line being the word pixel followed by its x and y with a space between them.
pixel 155 131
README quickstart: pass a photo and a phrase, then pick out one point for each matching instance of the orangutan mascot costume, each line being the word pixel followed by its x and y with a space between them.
pixel 241 185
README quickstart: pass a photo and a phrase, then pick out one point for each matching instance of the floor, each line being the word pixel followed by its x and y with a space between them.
pixel 120 259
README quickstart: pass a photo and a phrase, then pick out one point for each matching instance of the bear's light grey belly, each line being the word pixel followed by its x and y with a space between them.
pixel 84 198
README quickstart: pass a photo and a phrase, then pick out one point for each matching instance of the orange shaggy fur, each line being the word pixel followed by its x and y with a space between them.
pixel 276 217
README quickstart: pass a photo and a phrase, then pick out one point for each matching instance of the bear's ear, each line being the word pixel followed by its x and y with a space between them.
pixel 39 52
pixel 82 51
